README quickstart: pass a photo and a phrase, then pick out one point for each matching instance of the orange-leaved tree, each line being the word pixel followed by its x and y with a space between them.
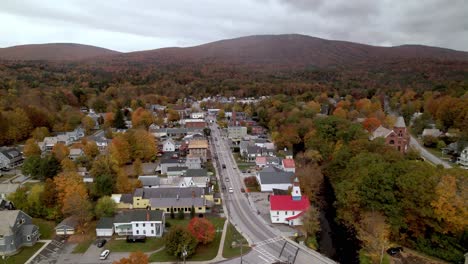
pixel 136 257
pixel 202 229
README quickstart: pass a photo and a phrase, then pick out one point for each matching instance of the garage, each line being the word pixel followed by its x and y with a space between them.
pixel 105 227
pixel 67 226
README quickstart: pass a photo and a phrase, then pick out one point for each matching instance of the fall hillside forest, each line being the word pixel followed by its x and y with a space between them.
pixel 383 197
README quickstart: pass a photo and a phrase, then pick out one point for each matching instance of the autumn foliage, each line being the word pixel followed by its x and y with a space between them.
pixel 202 229
pixel 137 257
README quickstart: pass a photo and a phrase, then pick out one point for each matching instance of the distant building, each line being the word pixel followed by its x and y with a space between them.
pixel 463 159
pixel 169 145
pixel 270 178
pixel 199 148
pixel 398 137
pixel 10 158
pixel 236 133
pixel 148 223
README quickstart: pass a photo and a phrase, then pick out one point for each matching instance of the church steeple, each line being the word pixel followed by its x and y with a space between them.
pixel 296 190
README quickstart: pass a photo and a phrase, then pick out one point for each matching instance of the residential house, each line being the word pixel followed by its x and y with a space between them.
pixel 288 165
pixel 16 231
pixel 48 144
pixel 142 196
pixel 463 159
pixel 236 133
pixel 270 178
pixel 67 226
pixel 123 201
pixel 178 204
pixel 83 172
pixel 257 130
pixel 167 163
pixel 195 177
pixel 199 148
pixel 105 227
pixel 433 132
pixel 169 145
pixel 150 181
pixel 10 158
pixel 75 153
pixel 7 189
pixel 148 223
pixel 398 137
pixel 264 161
pixel 176 171
pixel 157 107
pixel 288 209
pixel 193 162
pixel 197 115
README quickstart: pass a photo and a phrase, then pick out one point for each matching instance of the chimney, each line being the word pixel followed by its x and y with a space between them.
pixel 193 194
pixel 147 215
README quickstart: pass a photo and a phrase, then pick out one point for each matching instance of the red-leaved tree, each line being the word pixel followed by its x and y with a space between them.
pixel 202 229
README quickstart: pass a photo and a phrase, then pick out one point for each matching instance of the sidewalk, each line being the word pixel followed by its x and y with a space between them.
pixel 46 243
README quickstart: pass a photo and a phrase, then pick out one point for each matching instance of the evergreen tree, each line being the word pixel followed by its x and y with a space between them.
pixel 172 213
pixel 180 215
pixel 192 212
pixel 119 120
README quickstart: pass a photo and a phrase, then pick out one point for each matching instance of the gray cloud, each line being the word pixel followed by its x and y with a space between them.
pixel 127 25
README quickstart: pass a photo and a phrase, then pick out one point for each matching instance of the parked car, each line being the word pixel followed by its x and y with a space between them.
pixel 133 239
pixel 224 166
pixel 394 250
pixel 226 179
pixel 104 254
pixel 243 190
pixel 231 190
pixel 101 243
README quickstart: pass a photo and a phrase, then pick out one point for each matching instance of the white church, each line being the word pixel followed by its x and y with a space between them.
pixel 288 209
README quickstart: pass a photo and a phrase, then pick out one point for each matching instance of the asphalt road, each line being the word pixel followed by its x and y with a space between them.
pixel 427 155
pixel 267 243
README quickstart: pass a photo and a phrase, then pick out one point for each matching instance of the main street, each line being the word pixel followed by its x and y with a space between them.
pixel 268 246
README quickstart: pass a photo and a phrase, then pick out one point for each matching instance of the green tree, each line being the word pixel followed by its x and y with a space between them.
pixel 119 120
pixel 180 214
pixel 105 206
pixel 172 213
pixel 192 212
pixel 179 240
pixel 103 185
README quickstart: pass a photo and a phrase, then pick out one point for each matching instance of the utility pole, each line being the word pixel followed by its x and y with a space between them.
pixel 241 245
pixel 184 254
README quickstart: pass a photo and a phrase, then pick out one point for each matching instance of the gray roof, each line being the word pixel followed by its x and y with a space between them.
pixel 171 192
pixel 176 168
pixel 11 153
pixel 68 222
pixel 169 161
pixel 105 223
pixel 400 122
pixel 149 180
pixel 138 215
pixel 196 173
pixel 181 202
pixel 7 188
pixel 276 177
pixel 126 198
pixel 7 220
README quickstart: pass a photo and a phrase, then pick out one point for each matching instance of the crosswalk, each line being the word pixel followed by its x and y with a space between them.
pixel 265 255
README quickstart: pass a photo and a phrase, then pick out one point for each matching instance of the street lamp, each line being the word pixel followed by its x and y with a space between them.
pixel 184 254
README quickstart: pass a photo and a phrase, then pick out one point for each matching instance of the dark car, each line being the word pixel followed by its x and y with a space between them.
pixel 224 166
pixel 101 243
pixel 243 190
pixel 134 239
pixel 394 250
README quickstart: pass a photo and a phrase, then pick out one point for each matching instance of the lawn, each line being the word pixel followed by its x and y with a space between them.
pixel 46 228
pixel 24 254
pixel 231 236
pixel 83 245
pixel 203 252
pixel 121 245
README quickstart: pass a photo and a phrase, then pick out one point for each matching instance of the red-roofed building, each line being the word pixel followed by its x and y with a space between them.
pixel 288 209
pixel 260 162
pixel 288 165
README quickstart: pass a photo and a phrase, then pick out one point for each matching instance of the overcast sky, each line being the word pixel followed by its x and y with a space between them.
pixel 130 25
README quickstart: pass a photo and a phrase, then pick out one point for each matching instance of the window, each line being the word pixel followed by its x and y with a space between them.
pixel 152 232
pixel 138 232
pixel 136 225
pixel 144 232
pixel 28 238
pixel 152 224
pixel 286 213
pixel 144 225
pixel 167 209
pixel 199 208
pixel 392 142
pixel 277 212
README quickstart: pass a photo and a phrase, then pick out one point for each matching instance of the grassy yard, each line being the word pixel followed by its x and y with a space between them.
pixel 84 238
pixel 24 254
pixel 46 228
pixel 83 246
pixel 151 244
pixel 231 236
pixel 203 252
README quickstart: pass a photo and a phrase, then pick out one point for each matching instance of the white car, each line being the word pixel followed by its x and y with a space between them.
pixel 104 254
pixel 231 190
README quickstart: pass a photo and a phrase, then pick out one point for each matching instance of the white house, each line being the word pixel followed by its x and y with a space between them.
pixel 288 209
pixel 169 145
pixel 105 227
pixel 463 159
pixel 270 178
pixel 197 115
pixel 148 223
pixel 288 165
